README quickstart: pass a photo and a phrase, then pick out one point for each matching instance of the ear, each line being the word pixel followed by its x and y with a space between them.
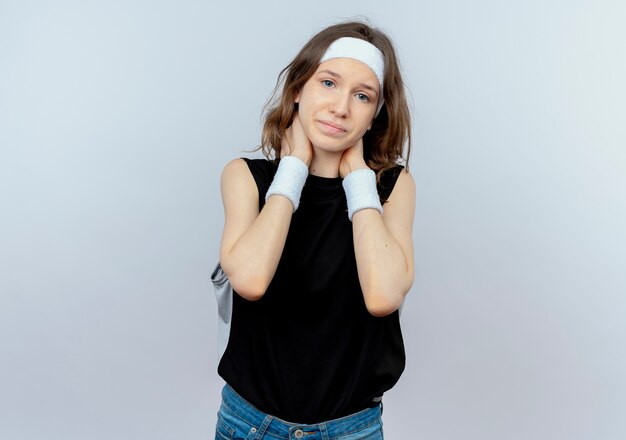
pixel 296 97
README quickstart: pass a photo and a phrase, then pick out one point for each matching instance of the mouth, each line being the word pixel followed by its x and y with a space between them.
pixel 330 128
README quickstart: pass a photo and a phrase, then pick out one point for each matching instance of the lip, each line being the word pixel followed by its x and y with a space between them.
pixel 331 129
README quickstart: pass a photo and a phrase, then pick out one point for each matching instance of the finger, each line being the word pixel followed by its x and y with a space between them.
pixel 284 147
pixel 298 134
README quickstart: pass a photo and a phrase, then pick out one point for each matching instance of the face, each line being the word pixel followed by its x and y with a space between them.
pixel 337 104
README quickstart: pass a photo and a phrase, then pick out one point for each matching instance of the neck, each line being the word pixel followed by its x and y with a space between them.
pixel 325 164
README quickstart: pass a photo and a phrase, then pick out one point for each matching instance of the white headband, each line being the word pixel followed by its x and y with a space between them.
pixel 363 51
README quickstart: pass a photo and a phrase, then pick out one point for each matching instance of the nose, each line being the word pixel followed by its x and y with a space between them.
pixel 341 104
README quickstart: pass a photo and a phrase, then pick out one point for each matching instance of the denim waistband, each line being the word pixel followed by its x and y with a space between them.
pixel 266 423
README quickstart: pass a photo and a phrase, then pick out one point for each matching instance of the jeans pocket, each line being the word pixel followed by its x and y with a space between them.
pixel 231 427
pixel 223 431
pixel 371 432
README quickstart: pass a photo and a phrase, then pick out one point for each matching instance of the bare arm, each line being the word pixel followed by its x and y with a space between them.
pixel 252 241
pixel 383 246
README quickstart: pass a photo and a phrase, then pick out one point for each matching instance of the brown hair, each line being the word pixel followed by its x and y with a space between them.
pixel 383 143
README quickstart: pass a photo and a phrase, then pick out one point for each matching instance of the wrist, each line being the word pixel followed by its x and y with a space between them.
pixel 306 158
pixel 289 180
pixel 361 191
pixel 359 165
pixel 348 166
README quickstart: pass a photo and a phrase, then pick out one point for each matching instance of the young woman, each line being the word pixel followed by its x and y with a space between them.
pixel 317 247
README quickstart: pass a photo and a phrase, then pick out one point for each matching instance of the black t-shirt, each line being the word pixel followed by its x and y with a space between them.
pixel 309 351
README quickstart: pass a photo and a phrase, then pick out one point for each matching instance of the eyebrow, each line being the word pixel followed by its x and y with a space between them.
pixel 336 75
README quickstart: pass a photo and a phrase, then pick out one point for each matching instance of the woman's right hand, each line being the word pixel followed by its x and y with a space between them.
pixel 296 143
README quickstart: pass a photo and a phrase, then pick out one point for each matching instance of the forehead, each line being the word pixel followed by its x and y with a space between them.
pixel 350 70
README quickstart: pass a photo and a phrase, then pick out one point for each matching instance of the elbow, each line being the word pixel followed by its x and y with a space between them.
pixel 384 293
pixel 249 293
pixel 248 287
pixel 380 304
pixel 248 284
pixel 380 311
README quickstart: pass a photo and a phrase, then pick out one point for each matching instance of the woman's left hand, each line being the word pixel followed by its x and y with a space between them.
pixel 352 159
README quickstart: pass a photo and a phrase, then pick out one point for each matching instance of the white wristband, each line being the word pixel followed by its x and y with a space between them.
pixel 289 180
pixel 361 192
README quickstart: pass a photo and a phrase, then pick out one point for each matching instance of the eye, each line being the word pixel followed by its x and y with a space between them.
pixel 327 83
pixel 362 97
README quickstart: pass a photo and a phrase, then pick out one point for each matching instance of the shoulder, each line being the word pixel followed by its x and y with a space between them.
pixel 236 174
pixel 405 185
pixel 243 177
pixel 236 179
pixel 235 167
pixel 245 166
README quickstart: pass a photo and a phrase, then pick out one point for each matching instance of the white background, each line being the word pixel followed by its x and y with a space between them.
pixel 116 118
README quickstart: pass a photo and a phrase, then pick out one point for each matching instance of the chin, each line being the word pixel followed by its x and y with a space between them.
pixel 331 145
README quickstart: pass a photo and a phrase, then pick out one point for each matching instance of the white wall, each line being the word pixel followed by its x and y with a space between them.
pixel 116 118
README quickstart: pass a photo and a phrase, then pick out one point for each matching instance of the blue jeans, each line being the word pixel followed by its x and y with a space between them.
pixel 238 419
